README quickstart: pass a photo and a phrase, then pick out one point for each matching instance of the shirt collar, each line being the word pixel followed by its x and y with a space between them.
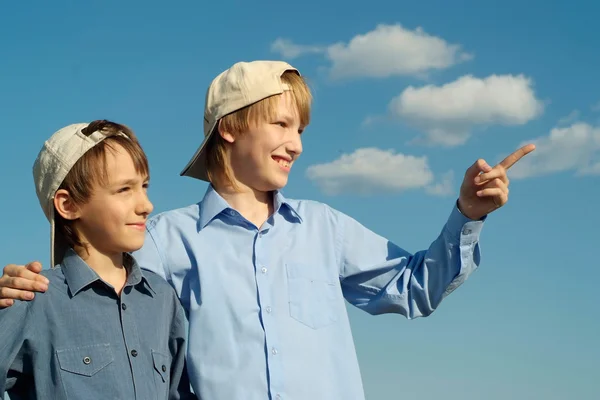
pixel 281 204
pixel 213 204
pixel 79 275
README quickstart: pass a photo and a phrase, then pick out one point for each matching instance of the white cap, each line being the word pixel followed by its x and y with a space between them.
pixel 54 161
pixel 244 84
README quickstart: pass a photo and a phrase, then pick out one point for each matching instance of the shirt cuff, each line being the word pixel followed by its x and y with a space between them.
pixel 460 226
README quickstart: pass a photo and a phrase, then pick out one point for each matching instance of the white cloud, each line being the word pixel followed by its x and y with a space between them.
pixel 573 148
pixel 569 119
pixel 291 50
pixel 372 170
pixel 448 113
pixel 385 51
pixel 444 187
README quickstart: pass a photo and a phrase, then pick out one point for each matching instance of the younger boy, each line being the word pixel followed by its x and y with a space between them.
pixel 105 329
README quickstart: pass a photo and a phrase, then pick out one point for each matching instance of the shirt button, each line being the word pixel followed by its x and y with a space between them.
pixel 278 397
pixel 263 270
pixel 274 351
pixel 164 368
pixel 269 309
pixel 87 360
pixel 467 231
pixel 124 306
pixel 134 353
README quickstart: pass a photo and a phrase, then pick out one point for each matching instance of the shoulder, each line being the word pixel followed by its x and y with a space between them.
pixel 158 283
pixel 189 214
pixel 54 275
pixel 21 309
pixel 312 209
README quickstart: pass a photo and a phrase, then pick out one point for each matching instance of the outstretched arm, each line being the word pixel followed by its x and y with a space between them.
pixel 380 277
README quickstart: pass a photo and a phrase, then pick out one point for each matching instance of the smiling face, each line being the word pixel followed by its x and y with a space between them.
pixel 255 147
pixel 102 205
pixel 262 157
pixel 113 220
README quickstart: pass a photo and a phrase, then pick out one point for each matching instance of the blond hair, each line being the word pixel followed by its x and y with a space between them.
pixel 217 165
pixel 90 169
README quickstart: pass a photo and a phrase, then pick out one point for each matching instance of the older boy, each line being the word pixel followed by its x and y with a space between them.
pixel 264 277
pixel 105 329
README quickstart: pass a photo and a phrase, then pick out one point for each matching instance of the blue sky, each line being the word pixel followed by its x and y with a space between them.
pixel 407 96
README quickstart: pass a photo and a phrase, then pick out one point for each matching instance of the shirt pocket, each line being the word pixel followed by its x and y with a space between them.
pixel 87 369
pixel 162 374
pixel 313 296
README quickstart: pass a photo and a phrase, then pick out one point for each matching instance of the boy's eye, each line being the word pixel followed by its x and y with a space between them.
pixel 146 185
pixel 123 189
pixel 281 123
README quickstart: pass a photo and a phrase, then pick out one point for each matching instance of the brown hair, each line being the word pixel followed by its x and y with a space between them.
pixel 240 120
pixel 90 169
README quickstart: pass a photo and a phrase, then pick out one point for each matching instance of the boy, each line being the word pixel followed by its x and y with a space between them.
pixel 105 329
pixel 264 278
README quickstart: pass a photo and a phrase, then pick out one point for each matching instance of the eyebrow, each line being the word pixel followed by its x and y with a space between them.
pixel 130 182
pixel 286 117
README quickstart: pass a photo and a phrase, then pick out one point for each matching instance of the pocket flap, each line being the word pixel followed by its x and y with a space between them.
pixel 85 360
pixel 162 364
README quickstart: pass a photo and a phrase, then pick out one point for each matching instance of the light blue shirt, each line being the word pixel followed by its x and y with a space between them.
pixel 266 305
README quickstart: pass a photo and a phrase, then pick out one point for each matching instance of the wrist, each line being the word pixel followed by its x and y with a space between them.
pixel 465 210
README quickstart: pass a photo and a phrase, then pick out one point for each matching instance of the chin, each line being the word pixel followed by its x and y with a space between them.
pixel 132 246
pixel 278 185
pixel 269 182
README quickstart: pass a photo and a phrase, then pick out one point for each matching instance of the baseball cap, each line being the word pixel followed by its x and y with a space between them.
pixel 54 161
pixel 244 84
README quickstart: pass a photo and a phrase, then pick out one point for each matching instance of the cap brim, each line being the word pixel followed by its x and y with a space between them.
pixel 196 167
pixel 58 243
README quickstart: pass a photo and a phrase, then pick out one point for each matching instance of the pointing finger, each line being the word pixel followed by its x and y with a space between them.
pixel 516 156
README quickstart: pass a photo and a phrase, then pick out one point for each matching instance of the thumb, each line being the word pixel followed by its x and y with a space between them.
pixel 478 167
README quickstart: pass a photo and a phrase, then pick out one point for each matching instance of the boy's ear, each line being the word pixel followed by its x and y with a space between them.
pixel 227 136
pixel 65 206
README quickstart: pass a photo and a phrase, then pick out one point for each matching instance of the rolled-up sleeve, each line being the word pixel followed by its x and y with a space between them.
pixel 380 277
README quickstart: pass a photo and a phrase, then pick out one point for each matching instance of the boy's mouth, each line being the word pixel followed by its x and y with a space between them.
pixel 139 226
pixel 284 162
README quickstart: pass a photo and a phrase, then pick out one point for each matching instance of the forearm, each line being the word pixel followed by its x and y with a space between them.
pixel 384 278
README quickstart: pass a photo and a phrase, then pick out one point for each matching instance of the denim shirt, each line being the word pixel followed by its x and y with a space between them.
pixel 81 340
pixel 267 305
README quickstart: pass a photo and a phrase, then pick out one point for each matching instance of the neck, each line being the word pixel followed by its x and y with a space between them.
pixel 254 205
pixel 109 266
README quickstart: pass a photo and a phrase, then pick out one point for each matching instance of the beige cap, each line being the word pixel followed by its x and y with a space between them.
pixel 244 84
pixel 53 163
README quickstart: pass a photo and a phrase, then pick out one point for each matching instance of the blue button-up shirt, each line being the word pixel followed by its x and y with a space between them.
pixel 266 304
pixel 79 340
